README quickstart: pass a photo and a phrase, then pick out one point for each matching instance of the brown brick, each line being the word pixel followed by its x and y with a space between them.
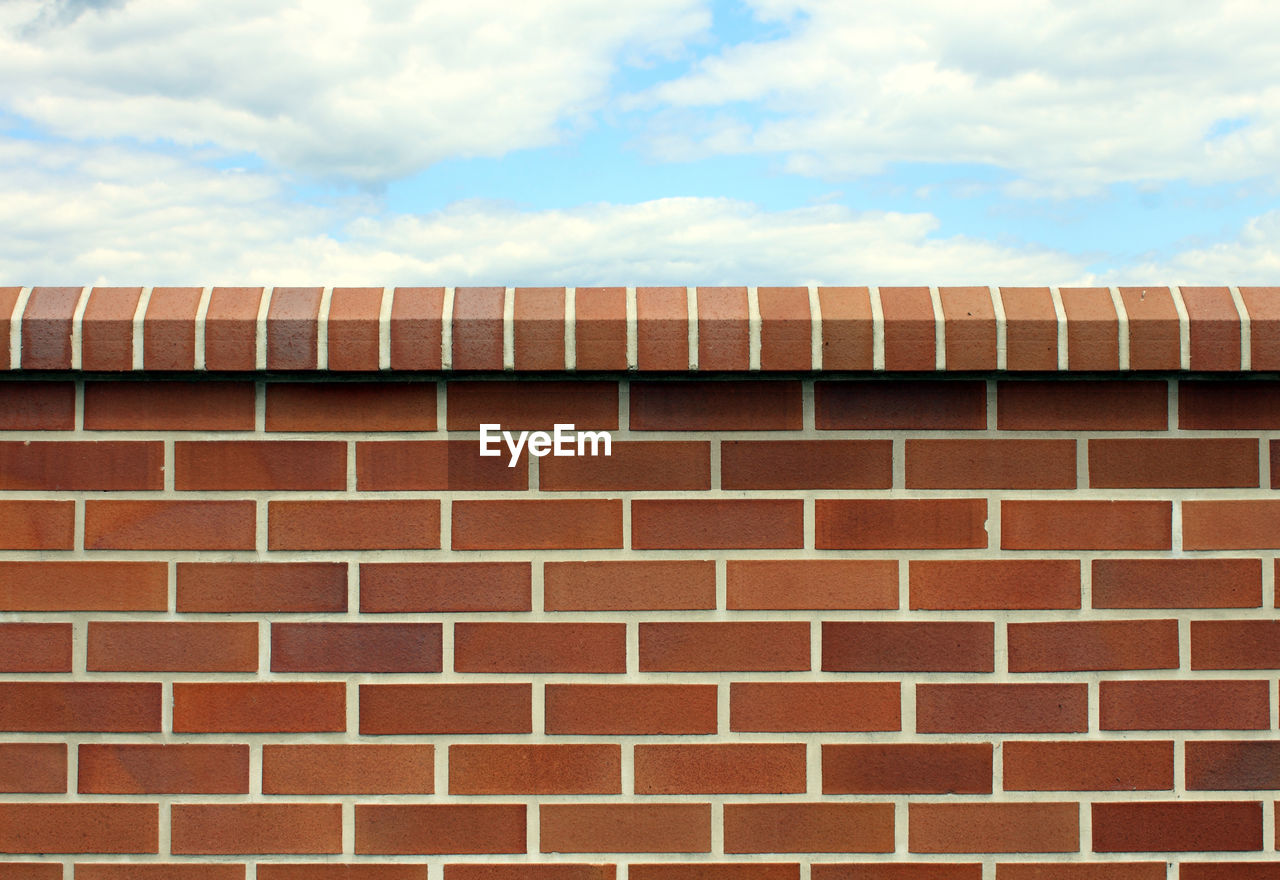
pixel 854 584
pixel 1232 870
pixel 884 524
pixel 169 328
pixel 539 647
pixel 988 584
pixel 648 827
pixel 80 706
pixel 847 328
pixel 214 829
pixel 786 328
pixel 33 768
pixel 81 466
pixel 714 871
pixel 1082 406
pixel 434 465
pixel 163 768
pixel 1177 827
pixel 8 305
pixel 533 406
pixel 1239 405
pixel 35 647
pixel 896 871
pixel 79 828
pixel 716 406
pixel 720 768
pixel 155 871
pixel 354 525
pixel 169 525
pixel 874 405
pixel 351 406
pixel 654 585
pixel 445 708
pixel 168 406
pixel 991 464
pixel 975 828
pixel 806 464
pixel 1131 765
pixel 1081 871
pixel 829 706
pixel 775 646
pixel 723 334
pixel 1262 304
pixel 1093 328
pixel 46 328
pixel 230 329
pixel 1230 525
pixel 637 465
pixel 1031 328
pixel 537 525
pixel 662 328
pixel 44 870
pixel 356 647
pixel 1250 765
pixel 970 327
pixel 1235 644
pixel 1185 705
pixel 909 328
pixel 1215 328
pixel 506 768
pixel 259 707
pixel 339 768
pixel 416 325
pixel 338 871
pixel 353 342
pixel 171 646
pixel 908 646
pixel 808 827
pixel 1177 583
pixel 528 870
pixel 37 525
pixel 83 586
pixel 477 328
pixel 1086 525
pixel 538 328
pixel 906 768
pixel 37 406
pixel 1077 645
pixel 600 331
pixel 731 524
pixel 255 587
pixel 630 709
pixel 1154 341
pixel 293 327
pixel 1173 463
pixel 266 465
pixel 1002 708
pixel 432 587
pixel 434 829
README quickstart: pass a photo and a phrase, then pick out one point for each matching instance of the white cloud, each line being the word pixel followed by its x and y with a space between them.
pixel 1252 258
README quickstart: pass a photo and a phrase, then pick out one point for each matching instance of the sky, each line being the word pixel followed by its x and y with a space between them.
pixel 589 142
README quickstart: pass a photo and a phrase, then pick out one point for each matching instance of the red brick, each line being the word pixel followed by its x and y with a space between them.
pixel 808 827
pixel 38 406
pixel 348 769
pixel 847 584
pixel 723 335
pixel 806 464
pixel 83 586
pixel 170 646
pixel 33 768
pixel 106 331
pixel 256 587
pixel 847 329
pixel 46 328
pixel 1232 870
pixel 338 871
pixel 786 328
pixel 434 587
pixel 80 706
pixel 354 525
pixel 874 405
pixel 1235 644
pixel 1190 826
pixel 720 768
pixel 156 768
pixel 169 525
pixel 1081 871
pixel 445 708
pixel 1082 406
pixel 707 646
pixel 506 768
pixel 230 328
pixel 417 322
pixel 639 465
pixel 1251 765
pixel 731 524
pixel 1263 306
pixel 662 328
pixel 886 524
pixel 212 829
pixel 79 828
pixel 908 646
pixel 539 328
pixel 716 406
pixel 975 828
pixel 1174 464
pixel 81 466
pixel 909 328
pixel 356 647
pixel 352 336
pixel 1215 328
pixel 539 647
pixel 477 328
pixel 434 829
pixel 520 406
pixel 1185 705
pixel 830 706
pixel 1002 708
pixel 906 768
pixel 35 647
pixel 529 871
pixel 259 465
pixel 259 707
pixel 351 406
pixel 8 305
pixel 537 525
pixel 168 406
pixel 986 584
pixel 434 466
pixel 155 871
pixel 169 328
pixel 714 871
pixel 990 464
pixel 1093 329
pixel 1154 338
pixel 600 330
pixel 37 525
pixel 970 327
pixel 896 871
pixel 51 870
pixel 1086 525
pixel 1081 645
pixel 1177 583
pixel 1230 525
pixel 630 709
pixel 1031 328
pixel 682 828
pixel 654 585
pixel 1228 406
pixel 1131 765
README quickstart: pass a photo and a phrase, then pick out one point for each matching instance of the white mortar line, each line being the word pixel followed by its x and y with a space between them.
pixel 446 331
pixel 202 313
pixel 1184 329
pixel 139 316
pixel 754 328
pixel 815 329
pixel 877 329
pixel 1122 329
pixel 939 331
pixel 322 329
pixel 1246 329
pixel 77 328
pixel 15 329
pixel 1060 311
pixel 571 328
pixel 691 306
pixel 260 330
pixel 384 327
pixel 1002 329
pixel 509 329
pixel 633 341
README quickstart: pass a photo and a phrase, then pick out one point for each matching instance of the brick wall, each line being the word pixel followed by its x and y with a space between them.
pixel 876 584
